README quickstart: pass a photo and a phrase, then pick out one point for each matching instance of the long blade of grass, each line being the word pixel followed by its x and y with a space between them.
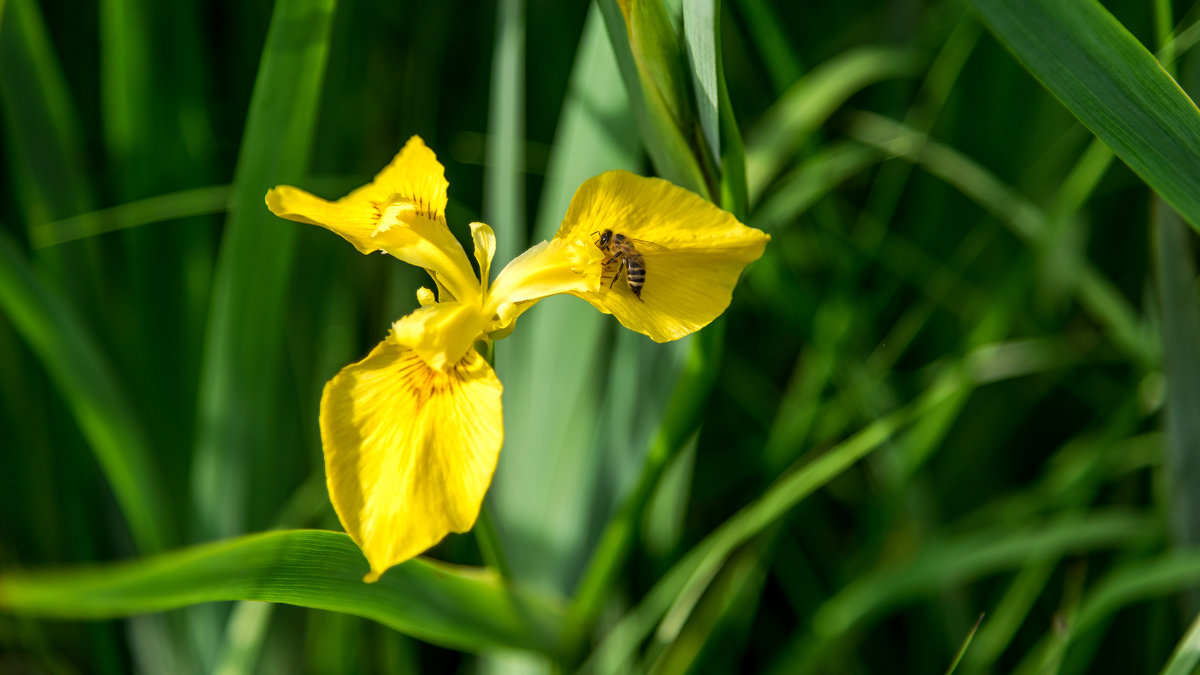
pixel 56 334
pixel 1134 582
pixel 651 65
pixel 958 656
pixel 734 189
pixel 1025 219
pixel 451 606
pixel 504 185
pixel 42 137
pixel 815 177
pixel 699 20
pixel 695 570
pixel 700 565
pixel 974 555
pixel 685 640
pixel 128 98
pixel 1180 315
pixel 1113 84
pixel 42 129
pixel 1186 657
pixel 811 100
pixel 770 39
pixel 172 206
pixel 245 331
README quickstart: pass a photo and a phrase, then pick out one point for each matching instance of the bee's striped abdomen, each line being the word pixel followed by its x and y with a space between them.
pixel 635 272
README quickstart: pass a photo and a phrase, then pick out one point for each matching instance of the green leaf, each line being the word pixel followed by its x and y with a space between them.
pixel 1176 275
pixel 245 330
pixel 128 96
pixel 504 187
pixel 651 63
pixel 452 606
pixel 41 127
pixel 962 650
pixel 817 176
pixel 75 363
pixel 809 102
pixel 735 191
pixel 1095 292
pixel 1186 656
pixel 173 206
pixel 1108 80
pixel 661 58
pixel 976 554
pixel 700 32
pixel 769 36
pixel 1134 582
pixel 687 578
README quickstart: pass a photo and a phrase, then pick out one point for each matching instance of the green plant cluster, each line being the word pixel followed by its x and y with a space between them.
pixel 949 423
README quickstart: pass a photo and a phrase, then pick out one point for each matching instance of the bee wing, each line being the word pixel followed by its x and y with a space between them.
pixel 648 246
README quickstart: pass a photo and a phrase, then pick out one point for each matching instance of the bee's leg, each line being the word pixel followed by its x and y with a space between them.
pixel 619 258
pixel 618 254
pixel 620 269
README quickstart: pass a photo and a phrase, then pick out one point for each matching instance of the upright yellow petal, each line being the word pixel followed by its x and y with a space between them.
pixel 485 250
pixel 409 451
pixel 420 240
pixel 414 175
pixel 694 255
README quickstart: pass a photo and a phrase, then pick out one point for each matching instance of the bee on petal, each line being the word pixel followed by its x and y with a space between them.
pixel 622 251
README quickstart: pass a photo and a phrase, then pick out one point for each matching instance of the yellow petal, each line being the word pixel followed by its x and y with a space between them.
pixel 414 175
pixel 419 240
pixel 409 451
pixel 694 257
pixel 440 333
pixel 354 221
pixel 485 250
pixel 561 265
pixel 403 212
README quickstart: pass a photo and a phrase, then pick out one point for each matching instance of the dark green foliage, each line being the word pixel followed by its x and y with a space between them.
pixel 960 382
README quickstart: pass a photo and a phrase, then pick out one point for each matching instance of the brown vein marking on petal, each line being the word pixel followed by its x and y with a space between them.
pixel 428 383
pixel 423 207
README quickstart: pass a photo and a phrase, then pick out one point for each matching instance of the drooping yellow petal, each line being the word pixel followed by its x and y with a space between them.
pixel 440 333
pixel 562 265
pixel 414 175
pixel 694 257
pixel 355 221
pixel 409 451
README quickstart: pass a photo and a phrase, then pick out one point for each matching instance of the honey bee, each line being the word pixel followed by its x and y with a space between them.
pixel 620 249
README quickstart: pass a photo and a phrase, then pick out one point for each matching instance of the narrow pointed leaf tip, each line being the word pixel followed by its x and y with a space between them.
pixel 693 252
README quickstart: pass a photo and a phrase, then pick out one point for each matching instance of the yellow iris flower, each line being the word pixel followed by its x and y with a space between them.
pixel 412 433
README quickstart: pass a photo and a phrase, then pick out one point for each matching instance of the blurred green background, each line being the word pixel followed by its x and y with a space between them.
pixel 964 289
